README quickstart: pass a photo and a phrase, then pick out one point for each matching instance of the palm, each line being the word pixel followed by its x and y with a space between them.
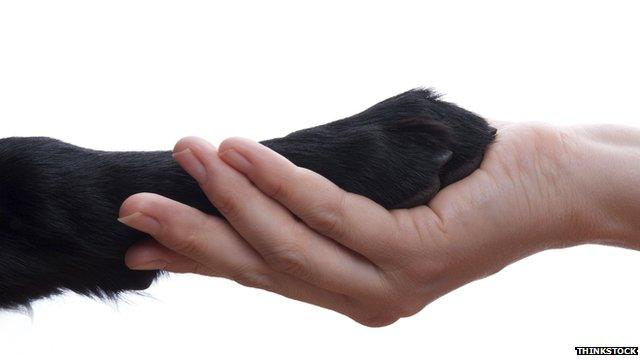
pixel 492 213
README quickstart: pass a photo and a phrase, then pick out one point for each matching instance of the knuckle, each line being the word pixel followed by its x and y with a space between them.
pixel 191 241
pixel 388 315
pixel 387 309
pixel 198 268
pixel 328 217
pixel 407 308
pixel 377 320
pixel 228 206
pixel 327 222
pixel 277 190
pixel 289 260
pixel 254 279
pixel 189 244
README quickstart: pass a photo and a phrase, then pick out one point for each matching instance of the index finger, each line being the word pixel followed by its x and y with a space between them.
pixel 353 220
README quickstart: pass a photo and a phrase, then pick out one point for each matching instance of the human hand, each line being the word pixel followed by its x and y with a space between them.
pixel 291 231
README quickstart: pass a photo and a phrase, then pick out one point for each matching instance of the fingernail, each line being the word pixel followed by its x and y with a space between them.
pixel 142 222
pixel 236 160
pixel 191 164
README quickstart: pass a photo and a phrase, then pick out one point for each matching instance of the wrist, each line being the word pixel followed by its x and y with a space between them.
pixel 606 160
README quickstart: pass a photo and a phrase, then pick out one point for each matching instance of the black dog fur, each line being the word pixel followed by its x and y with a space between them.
pixel 59 202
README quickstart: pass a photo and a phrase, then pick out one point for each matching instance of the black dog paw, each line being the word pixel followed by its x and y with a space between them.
pixel 59 202
pixel 399 152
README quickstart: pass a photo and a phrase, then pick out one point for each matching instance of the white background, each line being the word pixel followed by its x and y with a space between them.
pixel 139 75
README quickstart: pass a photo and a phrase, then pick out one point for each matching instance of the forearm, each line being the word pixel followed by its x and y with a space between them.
pixel 608 161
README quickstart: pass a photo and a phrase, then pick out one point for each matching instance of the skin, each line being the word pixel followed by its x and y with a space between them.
pixel 293 232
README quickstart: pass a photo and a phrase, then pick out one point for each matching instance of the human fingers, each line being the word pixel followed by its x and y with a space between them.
pixel 354 221
pixel 285 243
pixel 191 241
